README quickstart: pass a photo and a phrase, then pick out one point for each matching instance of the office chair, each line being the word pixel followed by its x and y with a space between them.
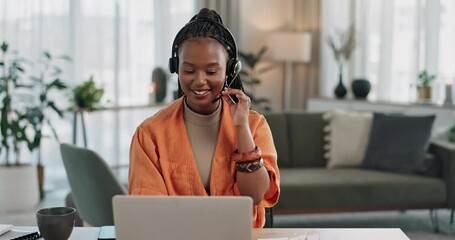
pixel 268 218
pixel 93 184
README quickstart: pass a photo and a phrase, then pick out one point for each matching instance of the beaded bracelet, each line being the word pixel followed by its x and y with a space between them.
pixel 250 156
pixel 249 167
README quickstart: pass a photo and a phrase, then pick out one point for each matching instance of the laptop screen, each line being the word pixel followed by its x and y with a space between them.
pixel 182 217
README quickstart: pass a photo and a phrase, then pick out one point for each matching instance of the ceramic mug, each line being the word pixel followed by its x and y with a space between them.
pixel 56 223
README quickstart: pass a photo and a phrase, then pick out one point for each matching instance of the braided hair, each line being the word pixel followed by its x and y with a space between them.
pixel 204 25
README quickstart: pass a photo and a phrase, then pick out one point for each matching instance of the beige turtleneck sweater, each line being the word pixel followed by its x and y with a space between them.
pixel 203 135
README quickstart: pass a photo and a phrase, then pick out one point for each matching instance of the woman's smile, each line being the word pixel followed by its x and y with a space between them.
pixel 202 73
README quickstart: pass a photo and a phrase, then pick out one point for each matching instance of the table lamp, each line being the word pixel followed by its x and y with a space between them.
pixel 289 47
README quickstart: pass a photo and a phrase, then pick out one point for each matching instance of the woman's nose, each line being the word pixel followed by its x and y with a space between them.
pixel 200 77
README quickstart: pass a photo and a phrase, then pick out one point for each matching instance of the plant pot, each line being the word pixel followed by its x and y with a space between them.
pixel 424 92
pixel 361 88
pixel 18 188
pixel 159 78
pixel 40 170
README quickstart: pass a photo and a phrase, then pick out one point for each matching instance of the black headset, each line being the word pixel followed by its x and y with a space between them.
pixel 233 66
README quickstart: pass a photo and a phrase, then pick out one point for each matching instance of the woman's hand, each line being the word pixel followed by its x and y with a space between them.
pixel 240 110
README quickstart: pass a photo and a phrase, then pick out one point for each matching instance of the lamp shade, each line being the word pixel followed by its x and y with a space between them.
pixel 290 46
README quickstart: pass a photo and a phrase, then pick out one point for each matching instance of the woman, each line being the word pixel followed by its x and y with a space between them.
pixel 207 142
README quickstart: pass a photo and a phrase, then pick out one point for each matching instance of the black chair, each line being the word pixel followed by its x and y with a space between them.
pixel 268 218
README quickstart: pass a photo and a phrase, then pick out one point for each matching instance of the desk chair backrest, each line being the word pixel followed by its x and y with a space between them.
pixel 93 184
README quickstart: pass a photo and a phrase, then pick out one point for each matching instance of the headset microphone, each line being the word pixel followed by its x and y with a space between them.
pixel 232 96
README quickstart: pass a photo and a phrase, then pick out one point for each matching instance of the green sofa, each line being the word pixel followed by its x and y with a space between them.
pixel 307 186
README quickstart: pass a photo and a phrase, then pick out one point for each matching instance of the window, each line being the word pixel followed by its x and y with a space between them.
pixel 396 40
pixel 118 42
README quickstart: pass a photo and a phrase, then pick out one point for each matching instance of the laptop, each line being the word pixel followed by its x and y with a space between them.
pixel 183 217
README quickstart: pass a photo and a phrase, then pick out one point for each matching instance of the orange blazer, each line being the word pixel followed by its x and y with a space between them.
pixel 162 162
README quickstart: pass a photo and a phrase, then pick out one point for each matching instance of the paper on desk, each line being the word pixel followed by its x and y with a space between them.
pixel 5 228
pixel 312 235
pixel 279 238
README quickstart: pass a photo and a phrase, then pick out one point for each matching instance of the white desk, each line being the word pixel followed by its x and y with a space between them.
pixel 91 233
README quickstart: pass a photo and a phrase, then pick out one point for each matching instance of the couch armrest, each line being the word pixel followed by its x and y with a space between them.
pixel 445 151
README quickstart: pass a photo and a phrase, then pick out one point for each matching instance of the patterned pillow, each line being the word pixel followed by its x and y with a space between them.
pixel 347 135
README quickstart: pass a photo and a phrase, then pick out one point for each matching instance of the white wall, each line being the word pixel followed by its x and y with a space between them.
pixel 257 19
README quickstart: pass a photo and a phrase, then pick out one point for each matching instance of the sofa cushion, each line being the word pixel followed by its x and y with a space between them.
pixel 398 143
pixel 348 134
pixel 322 189
pixel 278 125
pixel 306 139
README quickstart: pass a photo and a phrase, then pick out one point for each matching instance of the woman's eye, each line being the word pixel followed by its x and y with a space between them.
pixel 211 72
pixel 188 70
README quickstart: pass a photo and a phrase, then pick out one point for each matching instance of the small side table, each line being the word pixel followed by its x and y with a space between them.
pixel 80 113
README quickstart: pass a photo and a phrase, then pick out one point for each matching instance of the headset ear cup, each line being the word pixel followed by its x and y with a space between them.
pixel 233 68
pixel 237 68
pixel 174 64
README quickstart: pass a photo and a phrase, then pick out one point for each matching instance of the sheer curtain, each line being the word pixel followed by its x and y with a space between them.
pixel 395 40
pixel 118 42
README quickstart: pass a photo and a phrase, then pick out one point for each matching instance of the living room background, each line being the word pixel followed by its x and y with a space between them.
pixel 120 42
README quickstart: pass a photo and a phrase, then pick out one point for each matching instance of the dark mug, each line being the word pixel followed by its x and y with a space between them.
pixel 56 223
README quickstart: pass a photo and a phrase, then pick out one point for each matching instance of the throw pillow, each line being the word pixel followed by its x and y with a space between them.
pixel 348 138
pixel 398 143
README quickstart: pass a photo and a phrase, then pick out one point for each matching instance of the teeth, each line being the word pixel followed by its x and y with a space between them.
pixel 201 92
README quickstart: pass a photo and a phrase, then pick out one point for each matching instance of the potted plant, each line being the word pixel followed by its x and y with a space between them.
pixel 18 181
pixel 86 96
pixel 48 81
pixel 424 85
pixel 250 76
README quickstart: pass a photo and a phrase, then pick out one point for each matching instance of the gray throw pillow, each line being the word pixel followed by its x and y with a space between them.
pixel 398 143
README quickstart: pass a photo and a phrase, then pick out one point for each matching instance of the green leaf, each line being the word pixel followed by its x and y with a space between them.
pixel 66 57
pixel 35 116
pixel 51 104
pixel 35 79
pixel 4 47
pixel 56 71
pixel 47 55
pixel 20 69
pixel 255 81
pixel 57 83
pixel 53 130
pixel 4 124
pixel 36 141
pixel 261 52
pixel 18 85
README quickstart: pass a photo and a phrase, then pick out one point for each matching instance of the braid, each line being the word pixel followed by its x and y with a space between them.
pixel 203 25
